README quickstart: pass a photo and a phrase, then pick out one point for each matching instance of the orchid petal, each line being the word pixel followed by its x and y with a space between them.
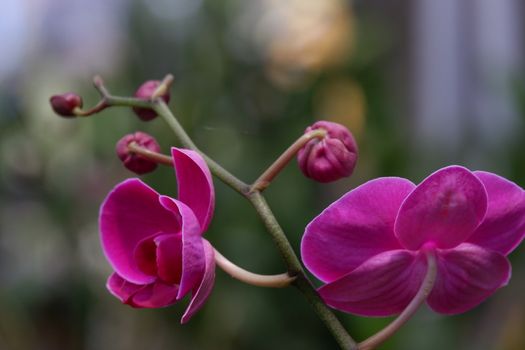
pixel 354 228
pixel 193 259
pixel 145 255
pixel 121 288
pixel 195 185
pixel 444 209
pixel 169 257
pixel 153 295
pixel 467 275
pixel 382 286
pixel 201 294
pixel 503 227
pixel 130 213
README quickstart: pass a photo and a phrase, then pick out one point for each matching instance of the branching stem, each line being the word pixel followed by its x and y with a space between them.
pixel 253 194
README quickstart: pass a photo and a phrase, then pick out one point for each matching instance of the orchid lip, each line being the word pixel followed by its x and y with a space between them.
pixel 428 247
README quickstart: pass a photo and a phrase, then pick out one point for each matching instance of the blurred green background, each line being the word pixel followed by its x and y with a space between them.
pixel 421 84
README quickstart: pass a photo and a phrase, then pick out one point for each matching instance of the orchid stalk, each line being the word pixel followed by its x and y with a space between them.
pixel 294 267
pixel 384 248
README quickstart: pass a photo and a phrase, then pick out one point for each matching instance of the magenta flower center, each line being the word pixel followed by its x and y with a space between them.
pixel 146 257
pixel 161 256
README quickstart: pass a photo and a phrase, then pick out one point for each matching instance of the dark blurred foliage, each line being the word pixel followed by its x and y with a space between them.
pixel 243 103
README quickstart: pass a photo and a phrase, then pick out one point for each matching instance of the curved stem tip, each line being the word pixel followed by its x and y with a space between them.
pixel 425 289
pixel 273 170
pixel 272 281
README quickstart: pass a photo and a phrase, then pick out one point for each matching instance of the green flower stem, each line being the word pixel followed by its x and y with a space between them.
pixel 162 109
pixel 266 178
pixel 425 289
pixel 128 102
pixel 272 226
pixel 110 100
pixel 164 87
pixel 302 283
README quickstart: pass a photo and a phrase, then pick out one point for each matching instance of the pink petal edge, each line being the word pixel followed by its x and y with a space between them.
pixel 467 275
pixel 193 258
pixel 382 286
pixel 202 293
pixel 354 228
pixel 503 227
pixel 444 209
pixel 195 184
pixel 153 295
pixel 121 288
pixel 169 258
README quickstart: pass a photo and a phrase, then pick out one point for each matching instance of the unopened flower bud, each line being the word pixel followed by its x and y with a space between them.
pixel 144 92
pixel 133 161
pixel 330 158
pixel 65 104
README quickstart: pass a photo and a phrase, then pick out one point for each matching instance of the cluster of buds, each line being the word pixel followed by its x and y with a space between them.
pixel 69 104
pixel 324 159
pixel 139 152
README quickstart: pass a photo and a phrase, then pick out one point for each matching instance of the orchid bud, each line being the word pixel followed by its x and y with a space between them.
pixel 144 92
pixel 330 158
pixel 133 161
pixel 65 104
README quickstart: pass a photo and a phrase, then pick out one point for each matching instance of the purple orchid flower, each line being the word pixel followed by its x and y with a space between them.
pixel 369 246
pixel 154 242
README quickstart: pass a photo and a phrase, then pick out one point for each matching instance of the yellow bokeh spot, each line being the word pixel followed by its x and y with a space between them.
pixel 305 37
pixel 342 101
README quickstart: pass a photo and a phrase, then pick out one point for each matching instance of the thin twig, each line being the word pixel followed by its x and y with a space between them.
pixel 273 170
pixel 148 154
